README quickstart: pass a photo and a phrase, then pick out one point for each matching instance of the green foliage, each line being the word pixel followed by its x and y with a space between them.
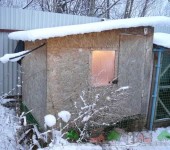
pixel 164 135
pixel 30 118
pixel 72 135
pixel 113 135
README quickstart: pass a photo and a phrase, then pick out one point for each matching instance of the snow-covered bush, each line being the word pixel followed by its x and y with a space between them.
pixel 91 116
pixel 96 113
pixel 51 122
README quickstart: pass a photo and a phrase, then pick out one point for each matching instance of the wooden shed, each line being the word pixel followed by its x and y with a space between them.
pixel 99 72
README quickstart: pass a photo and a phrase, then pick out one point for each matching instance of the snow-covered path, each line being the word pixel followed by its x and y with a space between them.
pixel 8 127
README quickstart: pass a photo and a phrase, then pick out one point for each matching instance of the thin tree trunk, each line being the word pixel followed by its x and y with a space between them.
pixel 128 8
pixel 107 8
pixel 147 4
pixel 91 7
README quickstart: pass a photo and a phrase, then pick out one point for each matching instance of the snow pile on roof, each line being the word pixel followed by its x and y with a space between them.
pixel 13 57
pixel 162 39
pixel 46 33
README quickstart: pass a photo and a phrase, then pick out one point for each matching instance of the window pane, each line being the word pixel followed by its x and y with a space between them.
pixel 103 66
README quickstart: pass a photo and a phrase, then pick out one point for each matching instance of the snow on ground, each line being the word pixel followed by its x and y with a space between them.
pixel 137 147
pixel 73 146
pixel 145 140
pixel 148 140
pixel 162 39
pixel 46 33
pixel 8 126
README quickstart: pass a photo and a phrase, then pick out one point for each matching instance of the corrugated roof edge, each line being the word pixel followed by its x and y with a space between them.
pixel 19 19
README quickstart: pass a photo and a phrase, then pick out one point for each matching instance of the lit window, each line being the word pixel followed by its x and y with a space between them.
pixel 103 67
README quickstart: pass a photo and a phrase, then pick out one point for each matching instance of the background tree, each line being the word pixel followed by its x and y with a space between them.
pixel 111 9
pixel 128 8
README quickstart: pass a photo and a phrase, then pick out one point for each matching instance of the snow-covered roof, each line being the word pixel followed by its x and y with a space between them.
pixel 162 39
pixel 46 33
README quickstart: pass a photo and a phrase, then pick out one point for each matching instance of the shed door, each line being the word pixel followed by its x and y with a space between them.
pixel 163 101
pixel 131 69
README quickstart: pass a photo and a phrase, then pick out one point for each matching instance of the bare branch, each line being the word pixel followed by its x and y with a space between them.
pixel 28 4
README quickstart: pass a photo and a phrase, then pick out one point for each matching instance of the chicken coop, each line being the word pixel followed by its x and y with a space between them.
pixel 99 72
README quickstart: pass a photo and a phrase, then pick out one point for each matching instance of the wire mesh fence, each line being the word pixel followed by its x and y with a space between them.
pixel 163 101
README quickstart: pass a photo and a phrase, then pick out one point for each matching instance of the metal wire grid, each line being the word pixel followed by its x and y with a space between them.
pixel 163 102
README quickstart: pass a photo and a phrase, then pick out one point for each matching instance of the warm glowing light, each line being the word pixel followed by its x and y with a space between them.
pixel 103 67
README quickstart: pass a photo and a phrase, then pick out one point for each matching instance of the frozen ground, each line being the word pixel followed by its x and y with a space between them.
pixel 145 140
pixel 123 144
pixel 8 126
pixel 157 140
pixel 109 147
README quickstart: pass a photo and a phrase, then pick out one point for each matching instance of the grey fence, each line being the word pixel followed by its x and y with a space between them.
pixel 12 19
pixel 9 72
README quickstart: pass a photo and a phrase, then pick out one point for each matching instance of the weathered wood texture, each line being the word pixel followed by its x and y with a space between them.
pixel 68 74
pixel 69 68
pixel 148 71
pixel 35 80
pixel 133 70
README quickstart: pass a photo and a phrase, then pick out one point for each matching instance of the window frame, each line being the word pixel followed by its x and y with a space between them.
pixel 115 78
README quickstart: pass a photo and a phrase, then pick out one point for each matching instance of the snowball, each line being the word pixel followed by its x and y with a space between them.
pixel 50 120
pixel 64 115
